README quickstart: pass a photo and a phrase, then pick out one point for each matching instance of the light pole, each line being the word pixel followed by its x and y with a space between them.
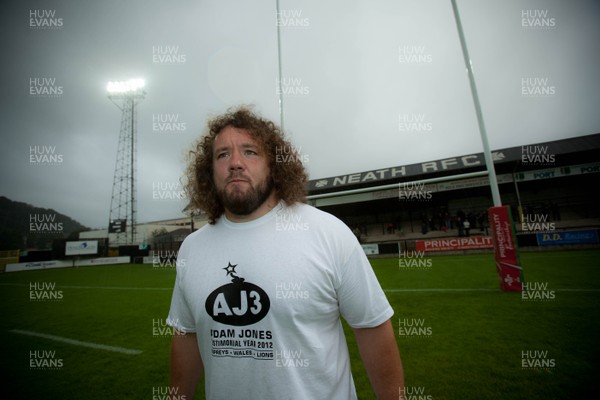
pixel 125 95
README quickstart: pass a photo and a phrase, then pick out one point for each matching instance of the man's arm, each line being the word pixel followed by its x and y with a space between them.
pixel 379 352
pixel 186 364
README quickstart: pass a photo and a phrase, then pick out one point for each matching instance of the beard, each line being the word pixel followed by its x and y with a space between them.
pixel 240 202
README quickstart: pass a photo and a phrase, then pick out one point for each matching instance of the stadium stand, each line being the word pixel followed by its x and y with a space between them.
pixel 549 181
pixel 399 205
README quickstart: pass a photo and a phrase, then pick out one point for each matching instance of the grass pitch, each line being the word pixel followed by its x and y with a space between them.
pixel 459 336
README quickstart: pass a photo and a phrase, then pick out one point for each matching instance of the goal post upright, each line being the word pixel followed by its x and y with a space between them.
pixel 508 266
pixel 487 154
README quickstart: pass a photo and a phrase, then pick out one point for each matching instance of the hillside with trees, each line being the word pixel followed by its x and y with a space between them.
pixel 26 227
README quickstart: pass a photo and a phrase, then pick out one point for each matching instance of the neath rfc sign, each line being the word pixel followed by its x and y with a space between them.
pixel 81 247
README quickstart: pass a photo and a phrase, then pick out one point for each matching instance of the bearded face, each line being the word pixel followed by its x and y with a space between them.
pixel 242 197
pixel 241 173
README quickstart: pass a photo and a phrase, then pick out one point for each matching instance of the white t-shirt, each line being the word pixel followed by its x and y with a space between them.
pixel 265 298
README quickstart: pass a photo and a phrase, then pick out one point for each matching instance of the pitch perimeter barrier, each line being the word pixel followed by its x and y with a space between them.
pixel 66 263
pixel 8 257
pixel 539 241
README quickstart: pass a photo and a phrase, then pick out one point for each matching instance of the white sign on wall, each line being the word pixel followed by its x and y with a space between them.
pixel 81 247
pixel 372 248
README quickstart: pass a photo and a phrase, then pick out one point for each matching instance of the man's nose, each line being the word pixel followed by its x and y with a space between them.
pixel 236 161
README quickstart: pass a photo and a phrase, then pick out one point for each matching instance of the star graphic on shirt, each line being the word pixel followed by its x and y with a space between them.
pixel 508 280
pixel 230 269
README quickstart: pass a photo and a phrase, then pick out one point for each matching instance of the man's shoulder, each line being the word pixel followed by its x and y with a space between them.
pixel 309 210
pixel 198 234
pixel 315 215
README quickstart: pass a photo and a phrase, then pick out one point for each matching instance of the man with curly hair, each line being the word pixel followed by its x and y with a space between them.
pixel 261 290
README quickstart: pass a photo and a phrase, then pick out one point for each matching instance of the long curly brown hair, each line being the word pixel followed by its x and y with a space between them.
pixel 287 172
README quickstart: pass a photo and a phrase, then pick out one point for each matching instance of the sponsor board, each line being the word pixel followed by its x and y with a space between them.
pixel 81 247
pixel 370 248
pixel 65 264
pixel 103 261
pixel 463 243
pixel 37 265
pixel 570 237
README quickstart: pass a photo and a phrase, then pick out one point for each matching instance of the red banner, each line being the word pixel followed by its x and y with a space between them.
pixel 510 273
pixel 461 243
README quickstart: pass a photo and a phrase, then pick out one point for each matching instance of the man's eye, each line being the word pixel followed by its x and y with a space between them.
pixel 251 153
pixel 222 155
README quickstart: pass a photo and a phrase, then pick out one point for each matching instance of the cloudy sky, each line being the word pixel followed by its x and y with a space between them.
pixel 365 85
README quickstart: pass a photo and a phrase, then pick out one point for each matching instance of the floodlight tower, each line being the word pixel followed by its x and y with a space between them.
pixel 125 95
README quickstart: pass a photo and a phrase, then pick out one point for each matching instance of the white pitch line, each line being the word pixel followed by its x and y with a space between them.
pixel 440 290
pixel 93 287
pixel 385 290
pixel 115 288
pixel 79 342
pixel 476 290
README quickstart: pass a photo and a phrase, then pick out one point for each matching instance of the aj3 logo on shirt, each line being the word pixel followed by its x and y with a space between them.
pixel 238 303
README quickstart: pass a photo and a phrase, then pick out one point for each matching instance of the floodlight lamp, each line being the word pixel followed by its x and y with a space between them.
pixel 132 85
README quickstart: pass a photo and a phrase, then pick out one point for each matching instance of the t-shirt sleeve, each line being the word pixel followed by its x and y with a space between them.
pixel 362 302
pixel 180 316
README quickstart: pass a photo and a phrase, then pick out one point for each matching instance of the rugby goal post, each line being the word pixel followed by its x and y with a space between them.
pixel 510 272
